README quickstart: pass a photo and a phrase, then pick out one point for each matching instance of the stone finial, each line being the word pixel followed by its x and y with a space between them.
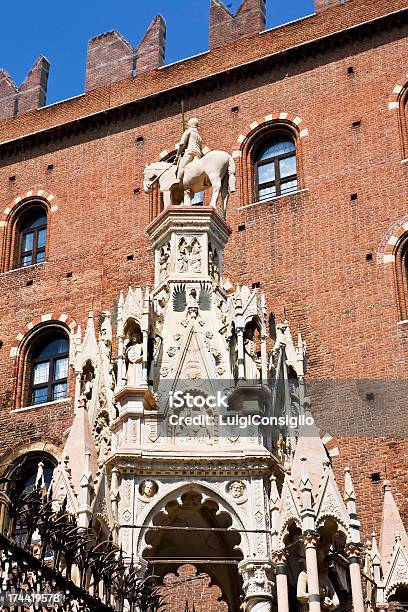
pixel 391 524
pixel 226 27
pixel 349 492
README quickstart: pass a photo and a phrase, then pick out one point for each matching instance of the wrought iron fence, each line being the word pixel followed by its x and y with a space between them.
pixel 43 551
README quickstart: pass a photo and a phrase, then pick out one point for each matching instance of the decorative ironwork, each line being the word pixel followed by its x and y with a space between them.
pixel 44 550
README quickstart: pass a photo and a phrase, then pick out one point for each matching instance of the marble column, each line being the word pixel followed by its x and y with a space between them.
pixel 279 559
pixel 352 552
pixel 310 543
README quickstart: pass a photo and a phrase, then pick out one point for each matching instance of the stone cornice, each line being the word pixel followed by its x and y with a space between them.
pixel 208 83
pixel 192 466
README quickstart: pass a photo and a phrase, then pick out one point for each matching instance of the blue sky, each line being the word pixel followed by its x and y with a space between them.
pixel 60 30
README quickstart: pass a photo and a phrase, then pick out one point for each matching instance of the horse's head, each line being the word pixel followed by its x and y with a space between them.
pixel 150 175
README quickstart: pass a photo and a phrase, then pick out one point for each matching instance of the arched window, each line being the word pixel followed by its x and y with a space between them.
pixel 32 470
pixel 401 271
pixel 48 360
pixel 275 167
pixel 32 230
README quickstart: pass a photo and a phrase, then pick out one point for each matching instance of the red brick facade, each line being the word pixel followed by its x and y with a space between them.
pixel 318 254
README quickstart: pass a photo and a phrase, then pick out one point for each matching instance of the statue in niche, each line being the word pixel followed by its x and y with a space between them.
pixel 148 489
pixel 87 380
pixel 252 363
pixel 103 435
pixel 213 267
pixel 87 383
pixel 233 351
pixel 134 359
pixel 195 257
pixel 164 260
pixel 182 258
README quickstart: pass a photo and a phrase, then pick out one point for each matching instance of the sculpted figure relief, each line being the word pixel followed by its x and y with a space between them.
pixel 236 489
pixel 164 260
pixel 195 256
pixel 213 266
pixel 148 489
pixel 103 435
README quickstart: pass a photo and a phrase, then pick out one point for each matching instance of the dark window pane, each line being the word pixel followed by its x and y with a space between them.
pixel 40 257
pixel 41 238
pixel 278 147
pixel 35 219
pixel 27 242
pixel 40 396
pixel 52 348
pixel 266 173
pixel 27 260
pixel 287 166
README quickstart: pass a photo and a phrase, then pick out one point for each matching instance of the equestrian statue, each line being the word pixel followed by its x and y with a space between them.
pixel 192 172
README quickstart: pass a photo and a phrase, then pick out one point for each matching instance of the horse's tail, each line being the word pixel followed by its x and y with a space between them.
pixel 232 183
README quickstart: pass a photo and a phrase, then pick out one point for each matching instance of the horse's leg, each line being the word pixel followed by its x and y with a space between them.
pixel 216 188
pixel 188 196
pixel 224 195
pixel 167 199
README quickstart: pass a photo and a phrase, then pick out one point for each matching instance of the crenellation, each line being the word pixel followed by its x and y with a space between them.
pixel 31 94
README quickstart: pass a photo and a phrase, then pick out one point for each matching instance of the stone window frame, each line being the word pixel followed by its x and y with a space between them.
pixel 277 123
pixel 398 101
pixel 9 220
pixel 401 275
pixel 22 388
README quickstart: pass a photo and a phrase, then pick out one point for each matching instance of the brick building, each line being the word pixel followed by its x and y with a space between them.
pixel 314 114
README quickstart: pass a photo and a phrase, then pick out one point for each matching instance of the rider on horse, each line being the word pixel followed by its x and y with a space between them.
pixel 190 147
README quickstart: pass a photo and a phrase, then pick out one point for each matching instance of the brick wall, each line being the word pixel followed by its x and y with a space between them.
pixel 307 250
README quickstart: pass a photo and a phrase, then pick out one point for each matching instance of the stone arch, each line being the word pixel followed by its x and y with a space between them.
pixel 389 243
pixel 50 317
pixel 397 92
pixel 19 450
pixel 269 120
pixel 393 249
pixel 217 552
pixel 33 194
pixel 208 490
pixel 398 101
